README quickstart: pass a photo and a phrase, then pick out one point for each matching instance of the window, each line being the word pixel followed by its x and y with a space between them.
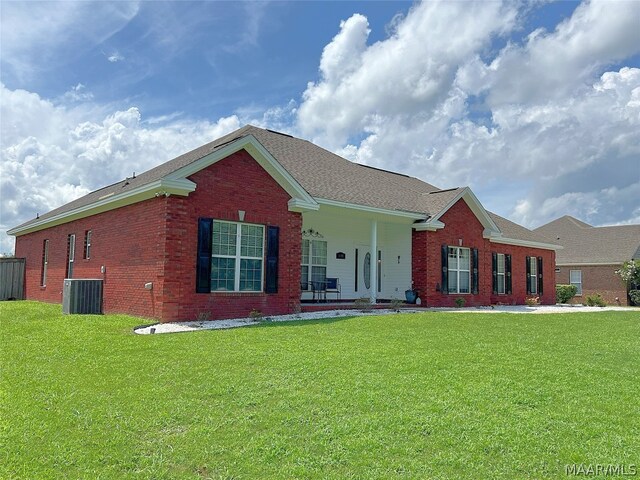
pixel 71 254
pixel 500 272
pixel 458 266
pixel 45 262
pixel 237 257
pixel 575 278
pixel 314 262
pixel 533 277
pixel 87 244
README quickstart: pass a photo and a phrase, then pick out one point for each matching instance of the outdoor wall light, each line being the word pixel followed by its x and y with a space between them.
pixel 398 258
pixel 437 287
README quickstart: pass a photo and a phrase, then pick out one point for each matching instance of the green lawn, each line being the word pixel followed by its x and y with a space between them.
pixel 433 395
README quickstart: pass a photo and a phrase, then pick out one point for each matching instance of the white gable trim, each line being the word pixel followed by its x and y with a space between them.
pixel 524 243
pixel 300 199
pixel 434 223
pixel 177 183
pixel 158 188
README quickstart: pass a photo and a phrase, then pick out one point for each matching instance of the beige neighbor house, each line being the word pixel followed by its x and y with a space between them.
pixel 591 256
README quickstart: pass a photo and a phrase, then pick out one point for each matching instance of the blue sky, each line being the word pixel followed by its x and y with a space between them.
pixel 535 105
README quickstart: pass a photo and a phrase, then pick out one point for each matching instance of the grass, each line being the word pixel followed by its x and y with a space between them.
pixel 433 395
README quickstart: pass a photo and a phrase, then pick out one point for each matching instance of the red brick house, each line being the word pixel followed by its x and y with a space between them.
pixel 591 255
pixel 248 221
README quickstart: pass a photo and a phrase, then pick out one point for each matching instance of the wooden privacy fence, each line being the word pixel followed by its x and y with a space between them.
pixel 12 278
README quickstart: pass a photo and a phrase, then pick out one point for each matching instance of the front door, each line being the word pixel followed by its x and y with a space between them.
pixel 364 280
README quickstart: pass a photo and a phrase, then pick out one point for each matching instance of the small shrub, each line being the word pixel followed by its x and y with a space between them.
pixel 564 293
pixel 595 301
pixel 396 303
pixel 364 304
pixel 203 316
pixel 634 295
pixel 460 302
pixel 532 301
pixel 256 315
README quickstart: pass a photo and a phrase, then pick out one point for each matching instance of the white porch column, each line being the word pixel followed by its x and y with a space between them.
pixel 374 262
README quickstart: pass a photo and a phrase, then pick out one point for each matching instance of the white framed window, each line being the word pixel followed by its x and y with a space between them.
pixel 459 271
pixel 87 244
pixel 314 262
pixel 533 278
pixel 45 263
pixel 71 254
pixel 237 261
pixel 575 278
pixel 500 272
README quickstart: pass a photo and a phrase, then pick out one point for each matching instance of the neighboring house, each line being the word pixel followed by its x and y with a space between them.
pixel 247 221
pixel 591 256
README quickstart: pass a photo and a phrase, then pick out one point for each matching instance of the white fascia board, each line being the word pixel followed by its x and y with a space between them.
pixel 524 243
pixel 430 226
pixel 476 207
pixel 297 205
pixel 264 159
pixel 591 264
pixel 366 208
pixel 110 202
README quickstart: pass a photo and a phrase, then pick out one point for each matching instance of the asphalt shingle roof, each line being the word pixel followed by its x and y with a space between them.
pixel 584 243
pixel 321 173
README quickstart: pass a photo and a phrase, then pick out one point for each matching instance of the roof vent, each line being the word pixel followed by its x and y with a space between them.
pixel 280 133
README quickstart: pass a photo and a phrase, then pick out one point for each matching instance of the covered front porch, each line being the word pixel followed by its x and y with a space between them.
pixel 350 254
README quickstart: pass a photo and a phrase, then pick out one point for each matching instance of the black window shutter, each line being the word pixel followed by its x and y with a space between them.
pixel 528 268
pixel 494 269
pixel 271 283
pixel 507 274
pixel 540 282
pixel 445 270
pixel 203 263
pixel 474 285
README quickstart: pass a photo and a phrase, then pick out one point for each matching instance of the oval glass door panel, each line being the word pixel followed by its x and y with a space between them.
pixel 367 270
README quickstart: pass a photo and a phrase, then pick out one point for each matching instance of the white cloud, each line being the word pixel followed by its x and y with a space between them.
pixel 36 35
pixel 52 154
pixel 405 75
pixel 545 127
pixel 115 57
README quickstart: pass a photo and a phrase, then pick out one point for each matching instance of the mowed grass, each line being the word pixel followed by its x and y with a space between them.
pixel 433 395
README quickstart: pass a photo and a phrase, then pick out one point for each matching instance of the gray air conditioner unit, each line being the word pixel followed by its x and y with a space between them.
pixel 81 295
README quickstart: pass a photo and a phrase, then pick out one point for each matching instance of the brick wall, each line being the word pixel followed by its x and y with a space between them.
pixel 597 279
pixel 126 241
pixel 232 184
pixel 461 223
pixel 156 241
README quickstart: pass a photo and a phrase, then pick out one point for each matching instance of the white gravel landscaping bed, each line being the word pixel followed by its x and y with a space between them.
pixel 244 322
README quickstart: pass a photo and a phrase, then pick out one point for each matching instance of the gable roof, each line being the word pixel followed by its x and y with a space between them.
pixel 316 175
pixel 585 244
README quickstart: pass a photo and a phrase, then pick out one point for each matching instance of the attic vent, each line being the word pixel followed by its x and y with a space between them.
pixel 383 170
pixel 445 190
pixel 280 133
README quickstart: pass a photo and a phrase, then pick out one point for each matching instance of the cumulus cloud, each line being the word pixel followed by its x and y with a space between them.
pixel 409 73
pixel 538 129
pixel 54 153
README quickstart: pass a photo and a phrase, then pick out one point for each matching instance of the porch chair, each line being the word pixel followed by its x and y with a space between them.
pixel 333 286
pixel 319 289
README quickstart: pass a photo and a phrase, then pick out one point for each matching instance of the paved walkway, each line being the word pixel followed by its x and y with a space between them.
pixel 243 322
